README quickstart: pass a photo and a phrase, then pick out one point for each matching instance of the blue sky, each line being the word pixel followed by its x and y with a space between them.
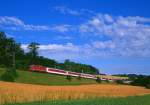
pixel 112 35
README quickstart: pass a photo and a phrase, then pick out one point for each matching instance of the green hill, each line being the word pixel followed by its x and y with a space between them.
pixel 47 79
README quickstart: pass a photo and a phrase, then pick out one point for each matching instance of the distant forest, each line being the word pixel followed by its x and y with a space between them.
pixel 13 56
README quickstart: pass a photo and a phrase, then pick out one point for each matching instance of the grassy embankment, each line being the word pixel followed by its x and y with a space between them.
pixel 47 79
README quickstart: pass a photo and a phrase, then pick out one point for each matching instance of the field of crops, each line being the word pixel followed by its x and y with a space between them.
pixel 134 100
pixel 16 92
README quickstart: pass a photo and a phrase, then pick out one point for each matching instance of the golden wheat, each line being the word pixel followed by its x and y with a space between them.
pixel 17 92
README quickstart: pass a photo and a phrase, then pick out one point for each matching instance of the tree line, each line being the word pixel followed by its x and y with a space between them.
pixel 13 56
pixel 137 80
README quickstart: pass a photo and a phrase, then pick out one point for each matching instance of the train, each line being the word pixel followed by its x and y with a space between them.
pixel 40 68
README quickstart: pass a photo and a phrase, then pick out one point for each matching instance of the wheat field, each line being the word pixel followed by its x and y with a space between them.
pixel 19 93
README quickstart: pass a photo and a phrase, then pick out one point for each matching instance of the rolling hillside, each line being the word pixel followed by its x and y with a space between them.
pixel 47 79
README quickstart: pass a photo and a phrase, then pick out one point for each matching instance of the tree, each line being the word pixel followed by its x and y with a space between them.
pixel 78 67
pixel 2 36
pixel 33 51
pixel 141 80
pixel 13 56
pixel 98 80
pixel 2 51
pixel 7 46
pixel 67 64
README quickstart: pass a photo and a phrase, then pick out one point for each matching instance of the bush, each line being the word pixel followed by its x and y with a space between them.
pixel 98 80
pixel 107 81
pixel 13 72
pixel 69 78
pixel 119 81
pixel 79 78
pixel 148 86
pixel 7 76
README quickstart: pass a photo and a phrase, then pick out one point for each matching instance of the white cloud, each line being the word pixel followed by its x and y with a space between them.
pixel 74 12
pixel 104 44
pixel 36 27
pixel 55 47
pixel 66 10
pixel 58 51
pixel 62 28
pixel 72 51
pixel 59 47
pixel 129 36
pixel 10 21
pixel 125 36
pixel 13 23
pixel 109 25
pixel 24 46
